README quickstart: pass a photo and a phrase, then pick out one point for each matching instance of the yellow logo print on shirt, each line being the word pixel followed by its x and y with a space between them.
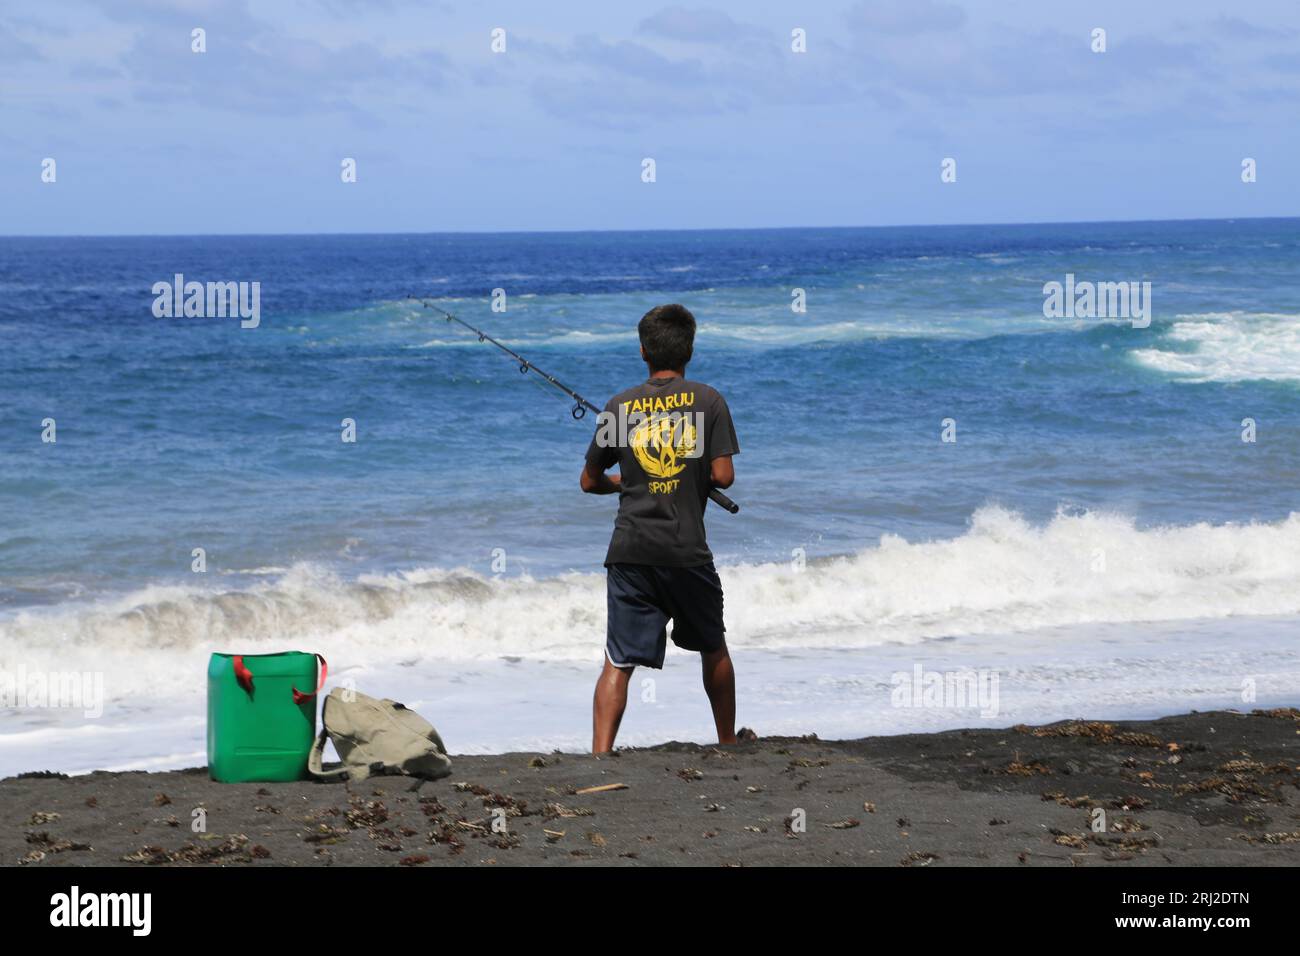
pixel 662 445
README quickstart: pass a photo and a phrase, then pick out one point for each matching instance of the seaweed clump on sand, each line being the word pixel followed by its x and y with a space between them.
pixel 1273 839
pixel 1096 730
pixel 1019 768
pixel 233 849
pixel 43 845
pixel 1240 780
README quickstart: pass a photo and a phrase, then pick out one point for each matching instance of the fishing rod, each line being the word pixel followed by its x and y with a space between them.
pixel 580 404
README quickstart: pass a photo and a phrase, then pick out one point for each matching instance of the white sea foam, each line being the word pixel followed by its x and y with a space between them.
pixel 1230 347
pixel 740 317
pixel 773 334
pixel 1003 575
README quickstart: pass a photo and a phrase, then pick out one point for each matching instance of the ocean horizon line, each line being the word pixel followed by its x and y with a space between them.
pixel 657 230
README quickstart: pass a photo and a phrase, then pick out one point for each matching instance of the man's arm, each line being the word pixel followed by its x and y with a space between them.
pixel 594 481
pixel 721 472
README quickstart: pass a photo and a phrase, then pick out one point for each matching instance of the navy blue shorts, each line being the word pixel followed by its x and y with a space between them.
pixel 643 598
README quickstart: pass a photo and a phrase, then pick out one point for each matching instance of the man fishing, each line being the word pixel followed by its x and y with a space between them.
pixel 673 441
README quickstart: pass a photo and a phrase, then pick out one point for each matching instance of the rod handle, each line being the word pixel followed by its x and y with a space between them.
pixel 723 501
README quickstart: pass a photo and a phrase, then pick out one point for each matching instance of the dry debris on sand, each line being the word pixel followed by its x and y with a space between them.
pixel 1199 789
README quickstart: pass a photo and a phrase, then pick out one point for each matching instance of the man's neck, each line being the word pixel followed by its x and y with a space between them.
pixel 668 373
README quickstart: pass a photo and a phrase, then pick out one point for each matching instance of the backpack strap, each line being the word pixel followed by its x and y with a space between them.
pixel 314 761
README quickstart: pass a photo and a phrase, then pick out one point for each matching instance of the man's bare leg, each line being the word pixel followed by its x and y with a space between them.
pixel 720 685
pixel 607 706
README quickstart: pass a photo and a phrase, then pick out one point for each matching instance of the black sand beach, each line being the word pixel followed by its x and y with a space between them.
pixel 1216 789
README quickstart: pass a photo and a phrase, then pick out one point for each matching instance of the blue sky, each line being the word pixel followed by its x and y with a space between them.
pixel 550 135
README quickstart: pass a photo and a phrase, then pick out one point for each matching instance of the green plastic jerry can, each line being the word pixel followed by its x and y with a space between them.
pixel 261 715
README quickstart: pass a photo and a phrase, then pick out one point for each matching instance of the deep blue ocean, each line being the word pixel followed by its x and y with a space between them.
pixel 181 433
pixel 1082 446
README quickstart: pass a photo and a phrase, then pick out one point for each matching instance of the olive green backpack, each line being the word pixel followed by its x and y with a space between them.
pixel 375 737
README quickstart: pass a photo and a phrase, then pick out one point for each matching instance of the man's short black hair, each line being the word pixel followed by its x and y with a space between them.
pixel 668 337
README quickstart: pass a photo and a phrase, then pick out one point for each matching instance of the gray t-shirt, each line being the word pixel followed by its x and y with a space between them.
pixel 663 435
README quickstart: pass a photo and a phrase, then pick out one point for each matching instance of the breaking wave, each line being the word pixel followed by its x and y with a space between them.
pixel 1003 574
pixel 1230 347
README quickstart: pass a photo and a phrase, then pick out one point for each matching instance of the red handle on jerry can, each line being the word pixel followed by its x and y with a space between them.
pixel 242 673
pixel 299 696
